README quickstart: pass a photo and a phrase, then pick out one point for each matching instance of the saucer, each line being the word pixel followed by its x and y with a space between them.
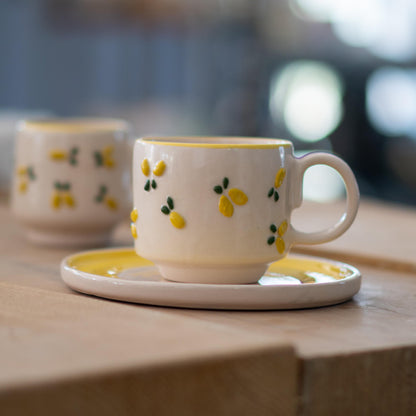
pixel 291 283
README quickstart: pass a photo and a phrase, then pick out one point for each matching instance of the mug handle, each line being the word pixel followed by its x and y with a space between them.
pixel 353 196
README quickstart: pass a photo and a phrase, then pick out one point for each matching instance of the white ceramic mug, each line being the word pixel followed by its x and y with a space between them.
pixel 72 180
pixel 218 209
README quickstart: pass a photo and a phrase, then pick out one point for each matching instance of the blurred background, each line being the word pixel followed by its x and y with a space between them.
pixel 330 75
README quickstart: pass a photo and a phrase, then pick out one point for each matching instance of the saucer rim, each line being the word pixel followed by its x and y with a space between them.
pixel 214 296
pixel 355 272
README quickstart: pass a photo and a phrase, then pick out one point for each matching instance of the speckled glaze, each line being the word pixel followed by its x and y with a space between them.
pixel 219 211
pixel 72 180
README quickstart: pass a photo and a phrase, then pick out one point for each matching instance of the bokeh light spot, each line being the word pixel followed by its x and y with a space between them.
pixel 307 97
pixel 391 101
pixel 386 29
pixel 318 10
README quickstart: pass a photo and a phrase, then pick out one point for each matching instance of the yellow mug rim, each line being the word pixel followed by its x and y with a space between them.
pixel 73 125
pixel 217 142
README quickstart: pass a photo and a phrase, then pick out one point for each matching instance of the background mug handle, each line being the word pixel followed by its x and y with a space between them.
pixel 353 197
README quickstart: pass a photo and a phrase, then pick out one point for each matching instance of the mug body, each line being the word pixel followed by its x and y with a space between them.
pixel 71 183
pixel 213 210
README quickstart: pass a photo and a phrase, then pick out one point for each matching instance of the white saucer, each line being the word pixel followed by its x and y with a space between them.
pixel 292 283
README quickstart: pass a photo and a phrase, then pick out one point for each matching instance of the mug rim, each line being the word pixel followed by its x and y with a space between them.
pixel 216 142
pixel 73 125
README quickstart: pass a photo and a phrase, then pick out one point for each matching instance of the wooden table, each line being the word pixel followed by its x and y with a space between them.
pixel 64 353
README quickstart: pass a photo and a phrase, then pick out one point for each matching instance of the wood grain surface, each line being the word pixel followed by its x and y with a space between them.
pixel 67 353
pixel 382 235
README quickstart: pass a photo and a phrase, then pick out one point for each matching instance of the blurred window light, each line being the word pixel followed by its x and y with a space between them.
pixel 358 22
pixel 397 42
pixel 391 101
pixel 307 97
pixel 386 28
pixel 318 10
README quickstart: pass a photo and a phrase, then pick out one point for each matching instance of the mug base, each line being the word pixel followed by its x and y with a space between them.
pixel 63 239
pixel 222 274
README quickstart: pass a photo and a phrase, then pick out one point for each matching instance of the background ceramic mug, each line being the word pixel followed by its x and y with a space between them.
pixel 72 179
pixel 218 210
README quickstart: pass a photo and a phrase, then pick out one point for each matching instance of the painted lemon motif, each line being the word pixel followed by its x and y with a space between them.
pixel 111 203
pixel 22 170
pixel 282 228
pixel 225 206
pixel 145 167
pixel 278 181
pixel 159 168
pixel 68 199
pixel 62 196
pixel 134 215
pixel 237 196
pixel 280 176
pixel 108 160
pixel 109 163
pixel 57 155
pixel 22 187
pixel 108 200
pixel 176 220
pixel 280 245
pixel 56 200
pixel 278 240
pixel 133 230
pixel 105 157
pixel 26 174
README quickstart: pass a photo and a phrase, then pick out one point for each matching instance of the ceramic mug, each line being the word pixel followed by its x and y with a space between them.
pixel 72 179
pixel 218 209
